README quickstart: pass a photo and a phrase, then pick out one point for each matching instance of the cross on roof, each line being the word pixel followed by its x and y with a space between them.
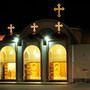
pixel 59 26
pixel 59 9
pixel 10 28
pixel 34 27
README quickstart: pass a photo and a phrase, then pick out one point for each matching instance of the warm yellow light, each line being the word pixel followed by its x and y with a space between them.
pixel 7 62
pixel 32 54
pixel 1 57
pixel 57 63
pixel 11 66
pixel 58 51
pixel 33 71
pixel 10 71
pixel 9 54
pixel 58 71
pixel 32 63
pixel 37 55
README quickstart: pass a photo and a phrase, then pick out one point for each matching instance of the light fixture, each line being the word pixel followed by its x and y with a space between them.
pixel 46 38
pixel 16 39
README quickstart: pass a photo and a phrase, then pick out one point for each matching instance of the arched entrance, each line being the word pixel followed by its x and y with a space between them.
pixel 8 63
pixel 65 38
pixel 32 63
pixel 57 62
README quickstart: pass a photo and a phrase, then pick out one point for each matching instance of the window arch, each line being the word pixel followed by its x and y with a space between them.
pixel 32 63
pixel 57 63
pixel 8 63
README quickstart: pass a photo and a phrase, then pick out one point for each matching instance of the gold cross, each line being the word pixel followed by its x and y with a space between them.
pixel 11 27
pixel 34 26
pixel 59 26
pixel 59 9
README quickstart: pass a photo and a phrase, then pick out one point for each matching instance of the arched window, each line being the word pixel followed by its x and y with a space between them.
pixel 57 63
pixel 7 63
pixel 32 63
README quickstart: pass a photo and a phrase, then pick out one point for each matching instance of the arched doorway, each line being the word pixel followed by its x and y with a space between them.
pixel 57 62
pixel 32 63
pixel 8 63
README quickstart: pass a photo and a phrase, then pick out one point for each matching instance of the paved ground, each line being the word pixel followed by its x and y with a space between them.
pixel 75 86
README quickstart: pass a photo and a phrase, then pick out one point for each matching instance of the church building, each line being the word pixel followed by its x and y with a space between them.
pixel 46 52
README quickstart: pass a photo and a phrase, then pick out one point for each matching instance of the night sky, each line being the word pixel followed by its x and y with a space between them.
pixel 21 13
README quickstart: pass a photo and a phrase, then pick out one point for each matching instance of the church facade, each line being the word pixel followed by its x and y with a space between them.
pixel 42 56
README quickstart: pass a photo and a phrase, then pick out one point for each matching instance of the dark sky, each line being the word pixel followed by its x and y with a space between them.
pixel 21 13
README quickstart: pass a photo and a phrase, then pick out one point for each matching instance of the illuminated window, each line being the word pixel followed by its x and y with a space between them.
pixel 57 63
pixel 32 63
pixel 7 63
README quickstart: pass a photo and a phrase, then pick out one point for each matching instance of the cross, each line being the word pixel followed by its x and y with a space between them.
pixel 11 27
pixel 34 26
pixel 59 26
pixel 59 9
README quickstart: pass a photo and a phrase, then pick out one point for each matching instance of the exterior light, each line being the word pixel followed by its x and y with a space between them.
pixel 16 39
pixel 46 38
